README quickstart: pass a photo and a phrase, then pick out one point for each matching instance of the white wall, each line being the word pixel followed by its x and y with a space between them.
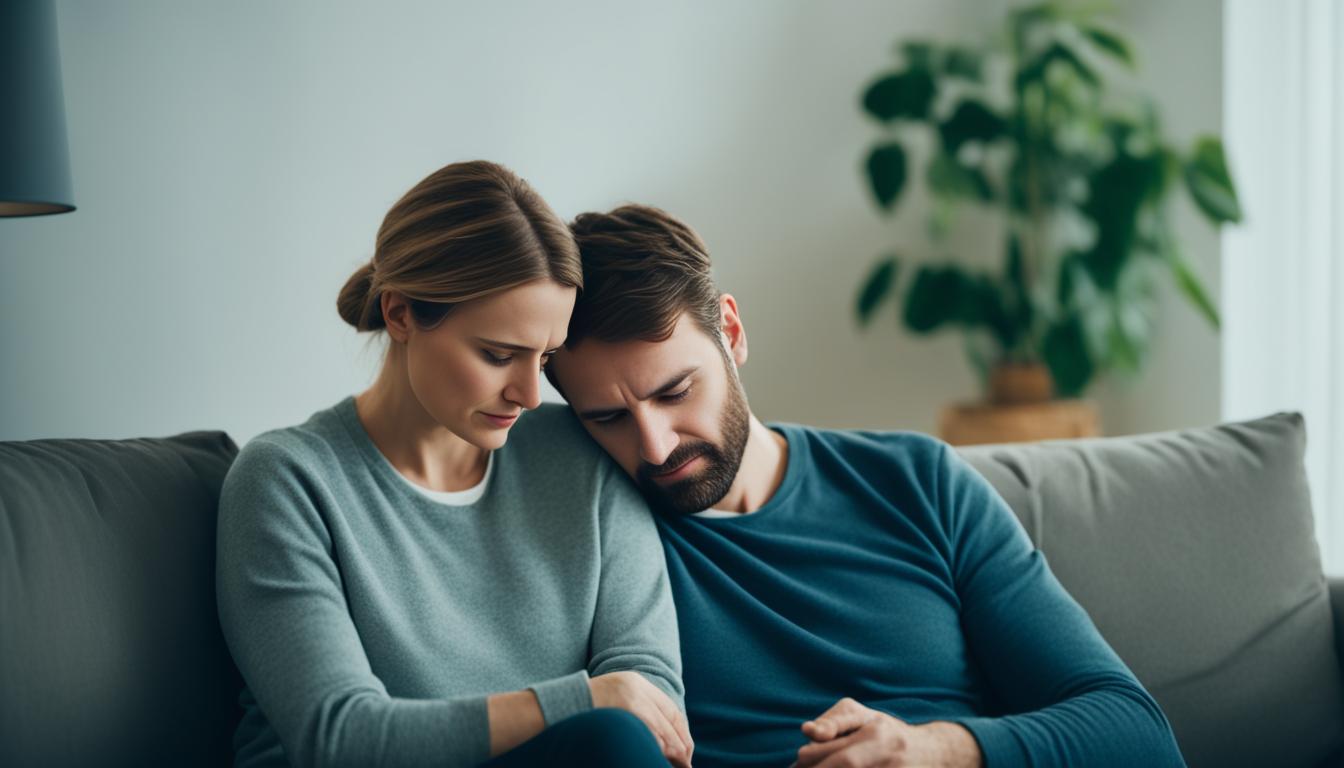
pixel 232 162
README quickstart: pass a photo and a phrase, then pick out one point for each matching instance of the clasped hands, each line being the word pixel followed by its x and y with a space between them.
pixel 850 735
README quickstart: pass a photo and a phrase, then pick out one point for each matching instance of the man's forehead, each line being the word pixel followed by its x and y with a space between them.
pixel 599 370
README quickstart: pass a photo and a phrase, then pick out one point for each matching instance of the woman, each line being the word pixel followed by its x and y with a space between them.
pixel 400 586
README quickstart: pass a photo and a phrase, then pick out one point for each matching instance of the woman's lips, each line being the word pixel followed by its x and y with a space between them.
pixel 499 421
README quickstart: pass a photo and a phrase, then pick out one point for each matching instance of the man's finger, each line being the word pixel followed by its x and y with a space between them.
pixel 862 752
pixel 814 753
pixel 836 723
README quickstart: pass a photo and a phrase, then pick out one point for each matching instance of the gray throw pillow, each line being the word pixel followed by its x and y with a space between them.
pixel 1195 554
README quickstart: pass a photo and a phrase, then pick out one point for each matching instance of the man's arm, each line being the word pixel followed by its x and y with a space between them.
pixel 1069 699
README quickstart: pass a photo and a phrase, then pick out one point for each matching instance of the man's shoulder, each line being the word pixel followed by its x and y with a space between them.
pixel 906 447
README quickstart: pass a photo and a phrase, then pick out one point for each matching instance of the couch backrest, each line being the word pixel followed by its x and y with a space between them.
pixel 110 649
pixel 1194 552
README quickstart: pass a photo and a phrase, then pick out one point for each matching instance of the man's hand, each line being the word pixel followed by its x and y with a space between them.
pixel 636 695
pixel 850 735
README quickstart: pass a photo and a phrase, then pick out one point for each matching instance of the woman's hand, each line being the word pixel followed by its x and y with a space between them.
pixel 633 693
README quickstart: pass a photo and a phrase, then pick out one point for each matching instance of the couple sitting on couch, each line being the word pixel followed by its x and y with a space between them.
pixel 400 586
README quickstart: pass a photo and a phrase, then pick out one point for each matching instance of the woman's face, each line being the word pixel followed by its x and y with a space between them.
pixel 480 368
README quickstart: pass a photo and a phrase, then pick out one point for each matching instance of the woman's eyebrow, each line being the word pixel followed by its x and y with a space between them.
pixel 513 347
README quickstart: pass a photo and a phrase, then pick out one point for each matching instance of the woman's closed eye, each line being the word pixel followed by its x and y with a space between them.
pixel 503 360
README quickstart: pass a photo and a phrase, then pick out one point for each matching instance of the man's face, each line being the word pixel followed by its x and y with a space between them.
pixel 671 413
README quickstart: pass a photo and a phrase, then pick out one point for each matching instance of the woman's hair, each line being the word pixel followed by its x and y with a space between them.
pixel 466 231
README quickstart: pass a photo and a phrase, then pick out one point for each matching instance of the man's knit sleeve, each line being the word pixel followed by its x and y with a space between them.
pixel 1069 700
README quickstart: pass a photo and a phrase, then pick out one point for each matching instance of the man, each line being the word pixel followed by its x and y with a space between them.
pixel 844 598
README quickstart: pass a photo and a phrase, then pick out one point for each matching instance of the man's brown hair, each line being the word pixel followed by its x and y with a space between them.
pixel 642 268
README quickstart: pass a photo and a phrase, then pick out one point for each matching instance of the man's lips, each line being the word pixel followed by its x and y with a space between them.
pixel 679 471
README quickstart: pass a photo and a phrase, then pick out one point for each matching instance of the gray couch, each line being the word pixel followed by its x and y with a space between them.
pixel 1192 551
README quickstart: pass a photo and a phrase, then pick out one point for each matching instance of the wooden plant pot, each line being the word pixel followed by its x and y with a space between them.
pixel 1020 408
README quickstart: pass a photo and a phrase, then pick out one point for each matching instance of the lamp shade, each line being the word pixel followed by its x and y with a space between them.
pixel 34 157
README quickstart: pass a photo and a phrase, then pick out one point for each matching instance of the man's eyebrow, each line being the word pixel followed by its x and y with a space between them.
pixel 513 347
pixel 669 385
pixel 672 382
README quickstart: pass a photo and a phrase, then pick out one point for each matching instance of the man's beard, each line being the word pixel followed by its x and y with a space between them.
pixel 721 462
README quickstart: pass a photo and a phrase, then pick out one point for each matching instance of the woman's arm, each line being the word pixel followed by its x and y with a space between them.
pixel 514 718
pixel 284 616
pixel 635 623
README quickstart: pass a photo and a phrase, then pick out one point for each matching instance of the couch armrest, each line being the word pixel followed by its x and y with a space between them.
pixel 1337 607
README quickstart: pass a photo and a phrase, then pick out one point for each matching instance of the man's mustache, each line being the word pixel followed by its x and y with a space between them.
pixel 680 455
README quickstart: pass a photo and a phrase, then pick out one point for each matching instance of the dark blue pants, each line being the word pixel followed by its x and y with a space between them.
pixel 601 738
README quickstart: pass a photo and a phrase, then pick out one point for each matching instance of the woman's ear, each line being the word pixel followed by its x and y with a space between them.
pixel 396 315
pixel 734 333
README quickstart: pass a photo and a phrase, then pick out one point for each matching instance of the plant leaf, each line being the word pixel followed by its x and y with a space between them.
pixel 1122 346
pixel 886 173
pixel 1115 194
pixel 1021 312
pixel 948 178
pixel 965 63
pixel 918 55
pixel 1035 71
pixel 1193 288
pixel 1111 43
pixel 1209 182
pixel 970 121
pixel 875 289
pixel 1065 351
pixel 934 298
pixel 905 95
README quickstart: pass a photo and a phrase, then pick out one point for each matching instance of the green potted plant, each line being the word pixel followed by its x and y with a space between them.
pixel 1082 174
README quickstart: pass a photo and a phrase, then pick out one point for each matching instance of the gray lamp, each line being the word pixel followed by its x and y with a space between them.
pixel 34 158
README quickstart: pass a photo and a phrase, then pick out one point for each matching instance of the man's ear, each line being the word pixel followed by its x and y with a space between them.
pixel 734 333
pixel 396 315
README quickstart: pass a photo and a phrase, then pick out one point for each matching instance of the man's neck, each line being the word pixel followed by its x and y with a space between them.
pixel 763 463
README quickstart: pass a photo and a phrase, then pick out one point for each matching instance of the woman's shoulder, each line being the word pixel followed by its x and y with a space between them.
pixel 310 446
pixel 551 437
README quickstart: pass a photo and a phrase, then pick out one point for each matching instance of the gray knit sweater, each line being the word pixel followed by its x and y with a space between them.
pixel 371 623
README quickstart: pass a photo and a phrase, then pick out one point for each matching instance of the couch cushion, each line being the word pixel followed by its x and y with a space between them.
pixel 110 649
pixel 1195 554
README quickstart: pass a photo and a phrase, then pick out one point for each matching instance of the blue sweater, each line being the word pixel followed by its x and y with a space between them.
pixel 885 568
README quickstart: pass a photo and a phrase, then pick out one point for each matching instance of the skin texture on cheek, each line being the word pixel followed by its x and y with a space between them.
pixel 455 382
pixel 711 425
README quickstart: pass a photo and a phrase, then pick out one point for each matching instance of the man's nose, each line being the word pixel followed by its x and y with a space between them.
pixel 656 439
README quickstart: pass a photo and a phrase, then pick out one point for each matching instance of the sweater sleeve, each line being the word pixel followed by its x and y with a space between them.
pixel 635 624
pixel 283 613
pixel 1072 701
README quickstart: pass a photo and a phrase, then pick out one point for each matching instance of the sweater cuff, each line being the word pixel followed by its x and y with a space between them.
pixel 998 743
pixel 563 696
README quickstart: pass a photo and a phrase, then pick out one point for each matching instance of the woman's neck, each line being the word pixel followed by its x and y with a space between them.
pixel 418 447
